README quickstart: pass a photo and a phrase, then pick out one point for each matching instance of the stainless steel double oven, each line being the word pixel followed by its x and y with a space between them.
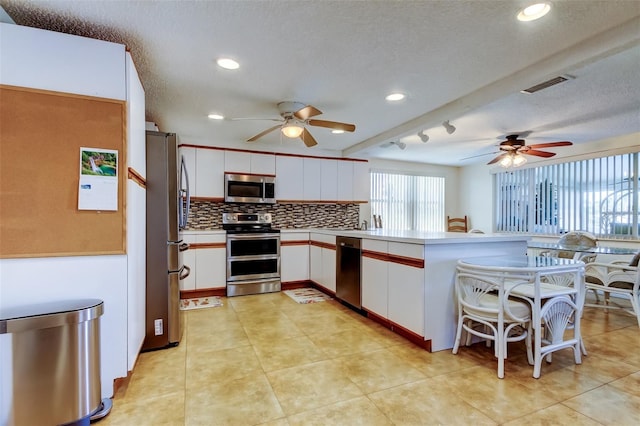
pixel 253 253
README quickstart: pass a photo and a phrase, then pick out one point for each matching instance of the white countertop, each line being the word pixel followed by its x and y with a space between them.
pixel 413 237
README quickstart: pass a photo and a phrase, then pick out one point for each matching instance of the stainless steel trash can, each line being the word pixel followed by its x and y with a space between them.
pixel 55 361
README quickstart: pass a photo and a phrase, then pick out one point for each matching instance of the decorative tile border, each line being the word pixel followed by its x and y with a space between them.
pixel 207 215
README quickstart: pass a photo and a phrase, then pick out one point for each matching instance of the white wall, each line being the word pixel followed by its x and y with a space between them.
pixel 451 175
pixel 136 213
pixel 59 62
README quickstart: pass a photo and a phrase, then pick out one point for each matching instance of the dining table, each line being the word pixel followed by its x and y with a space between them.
pixel 555 289
pixel 581 250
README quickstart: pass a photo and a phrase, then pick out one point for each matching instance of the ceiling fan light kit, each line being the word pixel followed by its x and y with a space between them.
pixel 514 149
pixel 295 116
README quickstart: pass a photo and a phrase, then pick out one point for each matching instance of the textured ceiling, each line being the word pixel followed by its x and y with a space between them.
pixel 463 61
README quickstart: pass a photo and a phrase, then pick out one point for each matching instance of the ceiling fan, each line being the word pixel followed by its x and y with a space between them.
pixel 295 116
pixel 512 147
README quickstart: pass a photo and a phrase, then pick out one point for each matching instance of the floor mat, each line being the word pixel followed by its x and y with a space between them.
pixel 307 295
pixel 200 302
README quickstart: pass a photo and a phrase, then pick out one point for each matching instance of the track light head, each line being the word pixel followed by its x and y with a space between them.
pixel 450 128
pixel 423 136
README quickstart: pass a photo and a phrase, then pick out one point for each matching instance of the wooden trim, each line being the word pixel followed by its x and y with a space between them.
pixel 136 177
pixel 211 199
pixel 123 382
pixel 322 289
pixel 394 258
pixel 398 329
pixel 205 292
pixel 294 243
pixel 248 174
pixel 322 245
pixel 196 246
pixel 290 285
pixel 320 202
pixel 250 151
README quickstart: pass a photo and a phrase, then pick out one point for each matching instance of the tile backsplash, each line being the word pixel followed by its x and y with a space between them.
pixel 206 215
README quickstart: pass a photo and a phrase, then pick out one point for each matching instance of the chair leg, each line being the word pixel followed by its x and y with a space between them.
pixel 456 345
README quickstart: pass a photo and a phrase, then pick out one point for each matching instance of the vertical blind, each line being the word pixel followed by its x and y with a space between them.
pixel 598 195
pixel 408 202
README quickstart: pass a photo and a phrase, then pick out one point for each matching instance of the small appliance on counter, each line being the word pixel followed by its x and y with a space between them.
pixel 253 254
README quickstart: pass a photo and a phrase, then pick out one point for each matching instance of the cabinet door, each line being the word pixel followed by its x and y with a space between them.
pixel 329 180
pixel 189 259
pixel 374 280
pixel 345 181
pixel 329 269
pixel 406 289
pixel 315 265
pixel 312 182
pixel 294 263
pixel 263 164
pixel 209 176
pixel 210 268
pixel 189 155
pixel 361 182
pixel 289 178
pixel 237 162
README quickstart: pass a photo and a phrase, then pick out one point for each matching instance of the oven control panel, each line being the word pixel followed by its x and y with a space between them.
pixel 246 218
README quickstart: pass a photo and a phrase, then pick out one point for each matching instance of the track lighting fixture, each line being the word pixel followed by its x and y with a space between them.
pixel 450 128
pixel 399 144
pixel 423 136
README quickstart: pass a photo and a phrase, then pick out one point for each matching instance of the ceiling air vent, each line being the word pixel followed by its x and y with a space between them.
pixel 545 84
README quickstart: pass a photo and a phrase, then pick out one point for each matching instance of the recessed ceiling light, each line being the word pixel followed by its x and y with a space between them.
pixel 533 12
pixel 395 97
pixel 337 132
pixel 228 64
pixel 216 116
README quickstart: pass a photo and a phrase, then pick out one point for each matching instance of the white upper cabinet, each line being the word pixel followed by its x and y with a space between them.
pixel 329 180
pixel 249 162
pixel 289 178
pixel 209 173
pixel 237 162
pixel 345 181
pixel 263 164
pixel 312 180
pixel 361 183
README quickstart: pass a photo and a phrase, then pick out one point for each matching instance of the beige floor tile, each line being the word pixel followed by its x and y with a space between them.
pixel 354 412
pixel 603 369
pixel 431 363
pixel 206 340
pixel 629 384
pixel 322 324
pixel 425 403
pixel 374 371
pixel 346 342
pixel 284 353
pixel 555 415
pixel 162 410
pixel 265 333
pixel 157 373
pixel 608 405
pixel 558 384
pixel 246 401
pixel 499 399
pixel 220 366
pixel 311 386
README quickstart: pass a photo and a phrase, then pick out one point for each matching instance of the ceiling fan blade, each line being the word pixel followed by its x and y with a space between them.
pixel 306 112
pixel 479 155
pixel 256 119
pixel 308 139
pixel 498 158
pixel 333 125
pixel 550 144
pixel 261 134
pixel 544 154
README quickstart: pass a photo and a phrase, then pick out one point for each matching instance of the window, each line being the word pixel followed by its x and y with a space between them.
pixel 598 195
pixel 408 202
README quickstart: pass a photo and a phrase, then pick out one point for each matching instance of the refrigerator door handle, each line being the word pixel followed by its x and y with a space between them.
pixel 186 271
pixel 184 195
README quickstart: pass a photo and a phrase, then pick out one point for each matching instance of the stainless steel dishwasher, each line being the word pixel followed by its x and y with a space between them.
pixel 348 270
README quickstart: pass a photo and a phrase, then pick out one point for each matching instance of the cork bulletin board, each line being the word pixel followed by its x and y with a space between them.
pixel 40 138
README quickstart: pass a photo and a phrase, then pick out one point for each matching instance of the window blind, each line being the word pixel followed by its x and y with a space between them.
pixel 408 202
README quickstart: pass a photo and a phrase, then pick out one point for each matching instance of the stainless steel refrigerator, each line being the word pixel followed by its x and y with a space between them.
pixel 167 210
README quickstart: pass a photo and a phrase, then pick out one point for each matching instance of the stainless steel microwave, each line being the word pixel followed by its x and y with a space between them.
pixel 247 188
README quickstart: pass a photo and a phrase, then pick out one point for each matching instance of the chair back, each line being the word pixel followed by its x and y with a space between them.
pixel 457 224
pixel 579 239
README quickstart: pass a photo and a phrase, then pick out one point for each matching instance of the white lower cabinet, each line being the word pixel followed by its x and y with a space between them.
pixel 294 257
pixel 207 259
pixel 374 279
pixel 323 261
pixel 406 288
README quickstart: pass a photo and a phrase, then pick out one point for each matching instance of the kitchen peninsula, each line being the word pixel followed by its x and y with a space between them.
pixel 408 276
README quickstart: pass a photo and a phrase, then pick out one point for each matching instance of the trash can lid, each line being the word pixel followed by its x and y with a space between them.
pixel 51 314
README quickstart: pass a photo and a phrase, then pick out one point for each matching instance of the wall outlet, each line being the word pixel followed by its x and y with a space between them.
pixel 158 327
